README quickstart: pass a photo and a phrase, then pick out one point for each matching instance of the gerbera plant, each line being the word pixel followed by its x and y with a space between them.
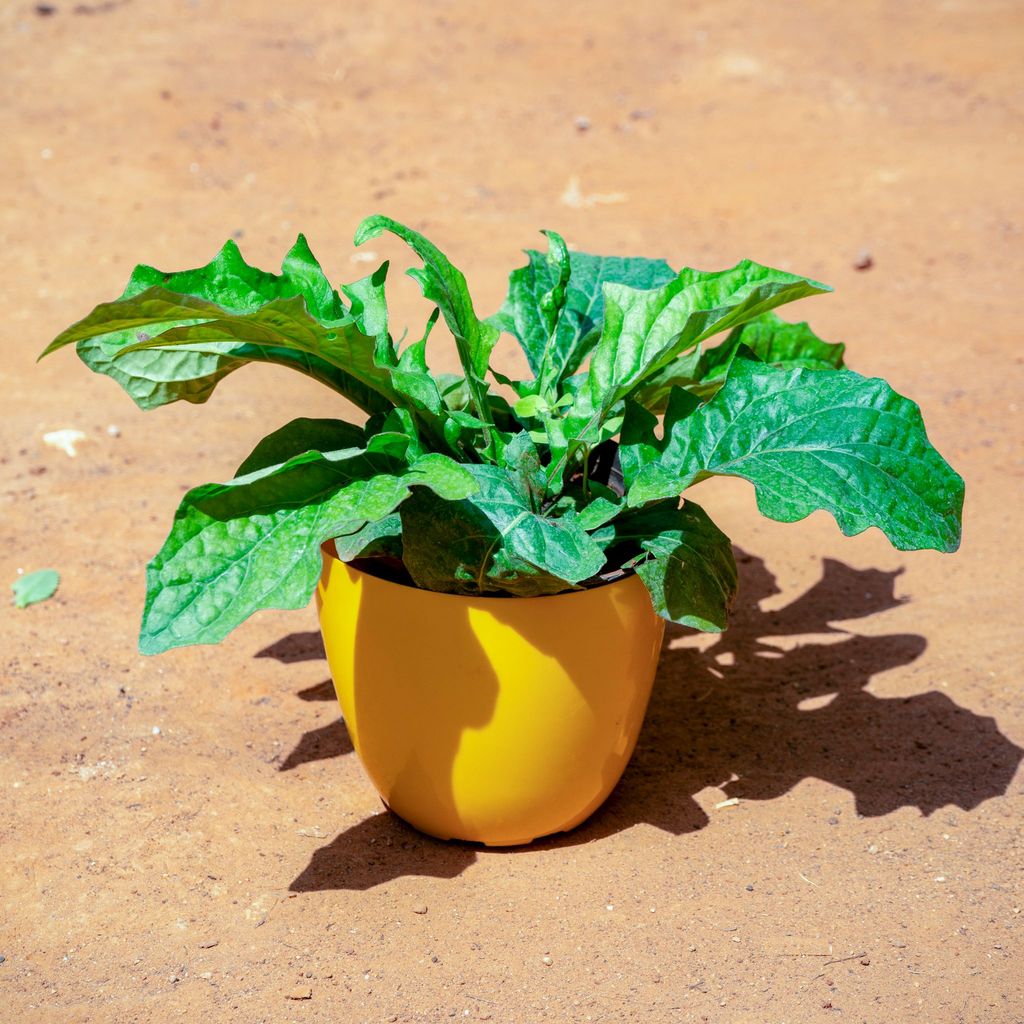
pixel 476 484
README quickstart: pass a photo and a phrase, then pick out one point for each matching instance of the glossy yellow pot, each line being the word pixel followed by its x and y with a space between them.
pixel 496 720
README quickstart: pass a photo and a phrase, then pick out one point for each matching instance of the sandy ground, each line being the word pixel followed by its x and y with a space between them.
pixel 865 708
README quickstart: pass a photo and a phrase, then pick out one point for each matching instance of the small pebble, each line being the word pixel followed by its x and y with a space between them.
pixel 750 888
pixel 582 123
pixel 547 961
pixel 864 260
pixel 300 993
pixel 865 962
pixel 209 945
pixel 113 431
pixel 2 959
pixel 156 730
pixel 872 848
pixel 419 908
pixel 900 945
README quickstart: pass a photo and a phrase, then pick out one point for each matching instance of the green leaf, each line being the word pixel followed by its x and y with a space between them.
pixel 34 587
pixel 789 346
pixel 685 371
pixel 530 406
pixel 284 324
pixel 254 542
pixel 816 439
pixel 234 285
pixel 494 542
pixel 599 510
pixel 445 286
pixel 369 309
pixel 768 338
pixel 687 565
pixel 380 537
pixel 556 347
pixel 521 460
pixel 644 331
pixel 298 437
pixel 155 305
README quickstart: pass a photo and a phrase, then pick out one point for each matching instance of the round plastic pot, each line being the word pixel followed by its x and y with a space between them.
pixel 495 720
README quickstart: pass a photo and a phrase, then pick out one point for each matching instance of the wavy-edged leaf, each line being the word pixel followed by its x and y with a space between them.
pixel 155 303
pixel 555 346
pixel 283 324
pixel 816 439
pixel 254 542
pixel 234 285
pixel 645 330
pixel 494 542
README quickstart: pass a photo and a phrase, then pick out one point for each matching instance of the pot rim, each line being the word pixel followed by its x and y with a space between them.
pixel 330 551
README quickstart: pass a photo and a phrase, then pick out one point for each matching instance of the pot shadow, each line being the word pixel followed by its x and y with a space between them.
pixel 778 698
pixel 380 849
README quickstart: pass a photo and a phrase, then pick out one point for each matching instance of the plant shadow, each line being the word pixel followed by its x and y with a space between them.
pixel 779 698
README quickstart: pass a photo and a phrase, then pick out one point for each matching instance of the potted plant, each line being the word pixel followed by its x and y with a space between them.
pixel 494 560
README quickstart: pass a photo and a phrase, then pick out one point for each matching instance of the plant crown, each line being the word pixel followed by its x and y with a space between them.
pixel 546 485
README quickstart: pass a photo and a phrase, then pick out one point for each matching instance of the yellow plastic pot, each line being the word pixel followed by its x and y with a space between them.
pixel 496 720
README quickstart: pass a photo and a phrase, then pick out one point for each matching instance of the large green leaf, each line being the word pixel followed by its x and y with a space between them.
pixel 685 561
pixel 557 317
pixel 254 542
pixel 284 324
pixel 156 304
pixel 816 439
pixel 494 542
pixel 445 286
pixel 645 330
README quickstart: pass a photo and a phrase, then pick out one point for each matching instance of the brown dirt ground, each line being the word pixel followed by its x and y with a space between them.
pixel 865 707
